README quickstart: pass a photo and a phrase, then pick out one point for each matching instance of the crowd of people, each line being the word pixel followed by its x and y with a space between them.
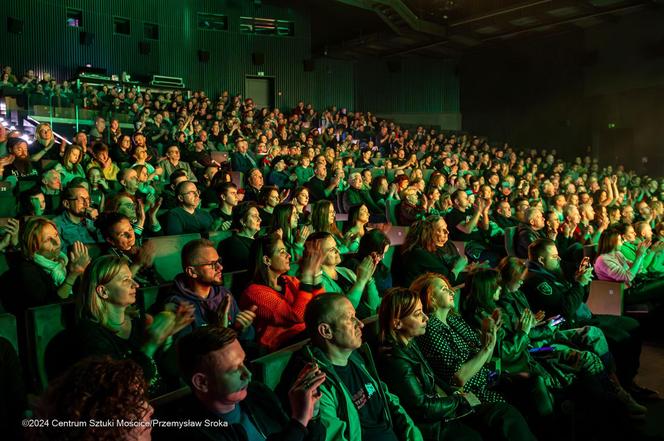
pixel 476 337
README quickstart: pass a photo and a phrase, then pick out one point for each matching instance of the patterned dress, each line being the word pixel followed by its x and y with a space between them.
pixel 447 346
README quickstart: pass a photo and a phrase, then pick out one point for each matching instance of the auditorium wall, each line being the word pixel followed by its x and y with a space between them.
pixel 47 43
pixel 596 90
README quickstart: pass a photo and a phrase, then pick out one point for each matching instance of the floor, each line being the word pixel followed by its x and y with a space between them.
pixel 651 375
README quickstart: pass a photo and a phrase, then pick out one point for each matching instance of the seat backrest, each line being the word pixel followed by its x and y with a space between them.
pixel 391 210
pixel 510 236
pixel 606 297
pixel 268 369
pixel 218 236
pixel 237 178
pixel 397 235
pixel 167 257
pixel 8 329
pixel 460 246
pixel 43 323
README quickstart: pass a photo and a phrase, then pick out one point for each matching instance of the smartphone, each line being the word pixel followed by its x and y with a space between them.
pixel 541 351
pixel 556 321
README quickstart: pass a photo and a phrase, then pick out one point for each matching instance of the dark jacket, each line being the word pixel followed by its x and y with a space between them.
pixel 555 294
pixel 524 237
pixel 353 196
pixel 411 378
pixel 242 163
pixel 265 412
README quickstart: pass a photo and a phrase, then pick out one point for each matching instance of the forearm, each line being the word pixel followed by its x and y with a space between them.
pixel 472 366
pixel 65 289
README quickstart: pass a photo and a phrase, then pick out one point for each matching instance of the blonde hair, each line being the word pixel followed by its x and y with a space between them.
pixel 99 272
pixel 29 239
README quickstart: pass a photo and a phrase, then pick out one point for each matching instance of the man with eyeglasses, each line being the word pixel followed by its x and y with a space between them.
pixel 76 222
pixel 187 217
pixel 200 284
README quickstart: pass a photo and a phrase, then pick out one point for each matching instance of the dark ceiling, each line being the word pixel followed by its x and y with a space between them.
pixel 353 29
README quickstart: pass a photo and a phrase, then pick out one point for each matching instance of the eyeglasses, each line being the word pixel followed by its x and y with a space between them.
pixel 212 264
pixel 195 192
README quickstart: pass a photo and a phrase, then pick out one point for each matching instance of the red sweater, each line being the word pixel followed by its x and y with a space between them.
pixel 280 315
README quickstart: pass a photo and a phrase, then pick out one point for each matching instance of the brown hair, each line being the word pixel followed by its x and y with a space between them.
pixel 319 218
pixel 608 241
pixel 397 304
pixel 421 234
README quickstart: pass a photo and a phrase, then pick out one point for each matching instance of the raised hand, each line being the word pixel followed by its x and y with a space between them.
pixel 79 259
pixel 312 259
pixel 304 394
pixel 245 318
pixel 223 311
pixel 302 234
pixel 365 269
pixel 146 254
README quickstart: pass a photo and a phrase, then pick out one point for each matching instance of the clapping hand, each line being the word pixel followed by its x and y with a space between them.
pixel 78 258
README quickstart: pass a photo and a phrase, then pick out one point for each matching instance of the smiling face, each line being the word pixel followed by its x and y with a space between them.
pixel 441 294
pixel 122 235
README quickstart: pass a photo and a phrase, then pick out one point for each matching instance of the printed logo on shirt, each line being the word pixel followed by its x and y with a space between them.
pixel 362 396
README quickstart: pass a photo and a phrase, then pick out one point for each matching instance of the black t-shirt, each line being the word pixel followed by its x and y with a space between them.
pixel 456 217
pixel 368 403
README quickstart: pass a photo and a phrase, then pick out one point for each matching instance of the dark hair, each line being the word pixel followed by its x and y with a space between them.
pixel 373 241
pixel 538 248
pixel 100 388
pixel 319 218
pixel 179 173
pixel 478 293
pixel 99 147
pixel 319 310
pixel 190 250
pixel 263 246
pixel 511 269
pixel 240 214
pixel 397 303
pixel 264 194
pixel 193 348
pixel 608 241
pixel 353 216
pixel 281 219
pixel 223 187
pixel 107 220
pixel 68 192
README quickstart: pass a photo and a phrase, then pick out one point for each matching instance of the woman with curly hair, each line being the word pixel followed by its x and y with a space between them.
pixel 100 389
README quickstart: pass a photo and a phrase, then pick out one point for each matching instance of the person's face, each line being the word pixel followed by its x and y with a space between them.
pixel 363 215
pixel 505 209
pixel 414 324
pixel 253 220
pixel 356 182
pixel 242 147
pixel 588 213
pixel 126 143
pixel 206 268
pixel 321 170
pixel 48 243
pixel 553 222
pixel 331 256
pixel 273 199
pixel 537 221
pixel 122 235
pixel 346 328
pixel 462 201
pixel 130 181
pixel 551 260
pixel 294 218
pixel 143 175
pixel 226 378
pixel 279 262
pixel 256 179
pixel 173 154
pixel 52 181
pixel 630 234
pixel 440 233
pixel 189 195
pixel 646 232
pixel 79 202
pixel 20 150
pixel 574 215
pixel 303 198
pixel 442 294
pixel 45 132
pixel 628 214
pixel 121 290
pixel 230 197
pixel 127 207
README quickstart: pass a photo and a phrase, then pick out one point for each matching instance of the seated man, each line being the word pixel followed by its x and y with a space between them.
pixel 173 163
pixel 200 284
pixel 228 200
pixel 211 362
pixel 529 232
pixel 102 159
pixel 51 187
pixel 187 217
pixel 549 289
pixel 653 261
pixel 503 215
pixel 471 225
pixel 241 159
pixel 356 195
pixel 75 223
pixel 355 404
pixel 319 187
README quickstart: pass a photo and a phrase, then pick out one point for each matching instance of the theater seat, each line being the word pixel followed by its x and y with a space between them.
pixel 606 297
pixel 391 210
pixel 43 323
pixel 8 329
pixel 167 261
pixel 268 369
pixel 218 236
pixel 510 236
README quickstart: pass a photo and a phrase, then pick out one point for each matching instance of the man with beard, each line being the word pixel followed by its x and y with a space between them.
pixel 21 169
pixel 549 289
pixel 75 223
pixel 200 284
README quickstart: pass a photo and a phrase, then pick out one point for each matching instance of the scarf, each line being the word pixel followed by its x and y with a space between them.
pixel 57 269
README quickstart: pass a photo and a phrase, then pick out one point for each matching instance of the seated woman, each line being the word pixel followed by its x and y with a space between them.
pixel 43 267
pixel 323 219
pixel 455 352
pixel 280 299
pixel 611 265
pixel 285 221
pixel 144 224
pixel 117 231
pixel 441 412
pixel 97 389
pixel 111 325
pixel 374 244
pixel 357 285
pixel 70 166
pixel 268 198
pixel 301 201
pixel 358 217
pixel 427 249
pixel 235 250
